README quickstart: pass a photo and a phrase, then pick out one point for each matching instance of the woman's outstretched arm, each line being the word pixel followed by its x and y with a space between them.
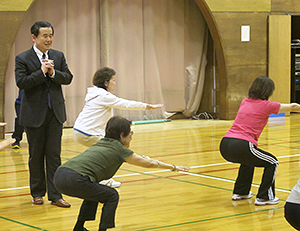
pixel 147 162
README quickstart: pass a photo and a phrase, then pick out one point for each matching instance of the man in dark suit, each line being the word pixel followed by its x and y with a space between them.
pixel 40 72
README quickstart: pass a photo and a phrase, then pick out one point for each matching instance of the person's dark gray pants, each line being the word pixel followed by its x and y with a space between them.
pixel 74 184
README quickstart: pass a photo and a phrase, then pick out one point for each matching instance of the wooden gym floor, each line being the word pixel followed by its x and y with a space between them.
pixel 155 199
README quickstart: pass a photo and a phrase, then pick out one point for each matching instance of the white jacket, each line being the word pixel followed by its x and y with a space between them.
pixel 98 109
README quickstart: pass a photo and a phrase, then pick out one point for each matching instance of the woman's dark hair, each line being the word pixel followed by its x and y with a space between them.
pixel 262 88
pixel 103 75
pixel 117 125
pixel 35 29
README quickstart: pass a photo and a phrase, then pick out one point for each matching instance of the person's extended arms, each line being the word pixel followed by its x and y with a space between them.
pixel 294 107
pixel 154 106
pixel 110 100
pixel 147 162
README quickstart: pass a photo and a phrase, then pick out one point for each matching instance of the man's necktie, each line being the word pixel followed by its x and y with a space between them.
pixel 48 84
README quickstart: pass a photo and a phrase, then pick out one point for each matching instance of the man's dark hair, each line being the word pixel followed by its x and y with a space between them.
pixel 262 88
pixel 117 125
pixel 103 75
pixel 35 29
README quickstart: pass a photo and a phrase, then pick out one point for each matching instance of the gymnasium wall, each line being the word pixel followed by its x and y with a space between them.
pixel 244 61
pixel 238 63
pixel 11 16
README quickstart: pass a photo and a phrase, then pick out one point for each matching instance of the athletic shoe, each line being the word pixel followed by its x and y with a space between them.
pixel 111 183
pixel 237 197
pixel 259 201
pixel 15 145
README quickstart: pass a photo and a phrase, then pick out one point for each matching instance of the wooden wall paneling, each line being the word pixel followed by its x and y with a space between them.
pixel 280 56
pixel 240 79
pixel 244 60
pixel 236 51
pixel 15 5
pixel 240 5
pixel 285 6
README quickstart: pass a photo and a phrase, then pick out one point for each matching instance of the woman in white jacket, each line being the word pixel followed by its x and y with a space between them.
pixel 89 126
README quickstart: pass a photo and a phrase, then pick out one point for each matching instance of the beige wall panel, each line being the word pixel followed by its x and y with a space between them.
pixel 239 79
pixel 280 56
pixel 15 5
pixel 286 6
pixel 240 5
pixel 9 26
pixel 236 51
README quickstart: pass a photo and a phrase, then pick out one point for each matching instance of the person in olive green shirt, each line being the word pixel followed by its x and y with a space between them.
pixel 79 176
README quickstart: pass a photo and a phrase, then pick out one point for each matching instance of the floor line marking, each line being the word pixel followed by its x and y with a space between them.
pixel 192 167
pixel 8 189
pixel 228 180
pixel 209 219
pixel 21 223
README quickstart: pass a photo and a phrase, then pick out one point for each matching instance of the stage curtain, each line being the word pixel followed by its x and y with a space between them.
pixel 158 49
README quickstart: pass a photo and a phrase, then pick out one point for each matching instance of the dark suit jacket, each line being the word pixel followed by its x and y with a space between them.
pixel 31 79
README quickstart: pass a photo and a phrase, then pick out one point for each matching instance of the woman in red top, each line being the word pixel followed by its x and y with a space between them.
pixel 239 145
